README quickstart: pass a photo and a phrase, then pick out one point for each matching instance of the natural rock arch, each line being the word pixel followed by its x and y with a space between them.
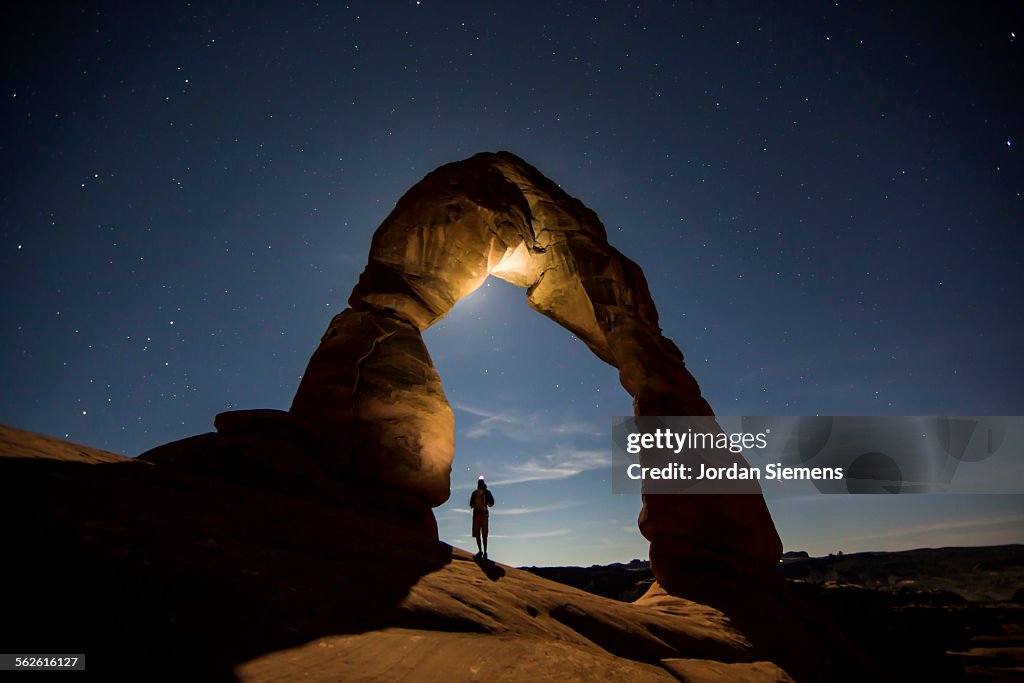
pixel 376 402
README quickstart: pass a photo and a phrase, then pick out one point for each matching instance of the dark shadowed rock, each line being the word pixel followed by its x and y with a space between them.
pixel 162 571
pixel 271 450
pixel 275 424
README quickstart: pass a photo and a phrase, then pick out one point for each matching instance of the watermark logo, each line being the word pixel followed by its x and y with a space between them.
pixel 853 455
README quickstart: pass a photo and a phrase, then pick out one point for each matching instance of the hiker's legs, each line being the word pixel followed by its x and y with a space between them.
pixel 478 526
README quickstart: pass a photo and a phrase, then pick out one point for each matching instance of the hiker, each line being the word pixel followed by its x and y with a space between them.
pixel 479 502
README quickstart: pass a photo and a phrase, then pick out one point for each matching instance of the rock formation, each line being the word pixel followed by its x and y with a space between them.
pixel 375 403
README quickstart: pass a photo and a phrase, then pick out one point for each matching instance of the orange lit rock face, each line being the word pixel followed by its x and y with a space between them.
pixel 376 402
pixel 373 396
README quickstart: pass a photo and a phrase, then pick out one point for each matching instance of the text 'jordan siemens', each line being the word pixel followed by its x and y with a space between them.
pixel 734 471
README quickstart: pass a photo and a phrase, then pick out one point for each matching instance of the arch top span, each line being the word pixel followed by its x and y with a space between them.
pixel 494 214
pixel 371 389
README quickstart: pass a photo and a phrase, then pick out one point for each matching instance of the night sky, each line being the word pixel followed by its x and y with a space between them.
pixel 826 200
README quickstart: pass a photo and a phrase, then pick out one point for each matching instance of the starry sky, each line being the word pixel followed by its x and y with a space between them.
pixel 826 199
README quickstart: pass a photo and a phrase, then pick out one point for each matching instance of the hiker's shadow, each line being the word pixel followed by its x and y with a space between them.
pixel 490 570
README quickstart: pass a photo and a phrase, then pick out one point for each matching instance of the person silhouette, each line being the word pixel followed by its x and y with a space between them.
pixel 479 502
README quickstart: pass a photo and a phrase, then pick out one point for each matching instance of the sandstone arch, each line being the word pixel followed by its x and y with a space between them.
pixel 371 392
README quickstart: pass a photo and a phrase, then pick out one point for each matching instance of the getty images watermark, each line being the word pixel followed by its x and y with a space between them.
pixel 734 454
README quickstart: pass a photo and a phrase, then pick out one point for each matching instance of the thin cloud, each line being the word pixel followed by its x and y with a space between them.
pixel 472 410
pixel 945 527
pixel 562 464
pixel 529 427
pixel 503 424
pixel 520 511
pixel 572 428
pixel 535 534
